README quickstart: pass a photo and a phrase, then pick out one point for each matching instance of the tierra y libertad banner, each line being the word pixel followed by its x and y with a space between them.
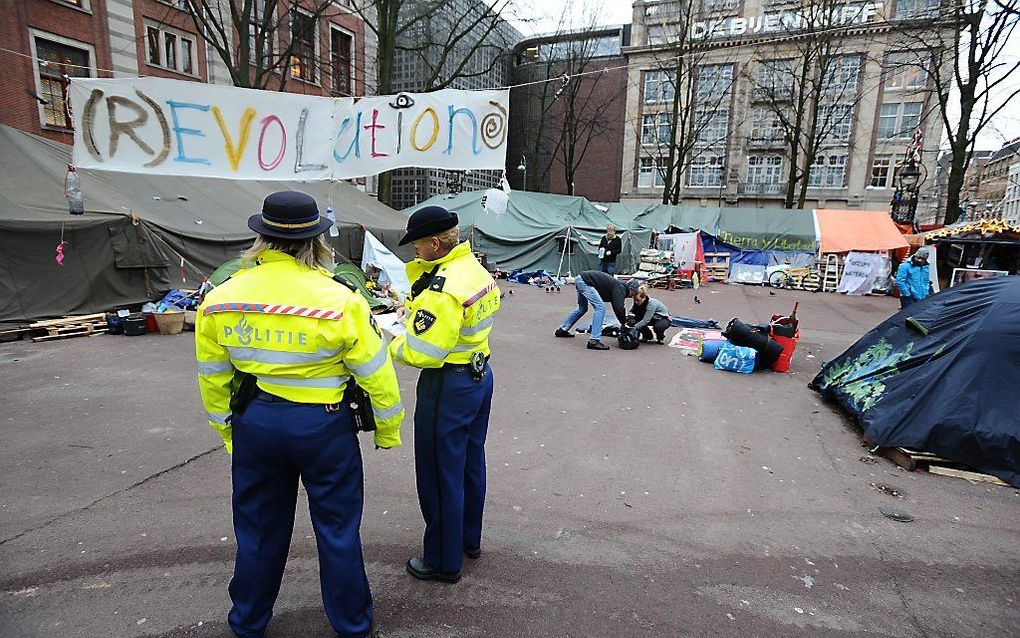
pixel 171 127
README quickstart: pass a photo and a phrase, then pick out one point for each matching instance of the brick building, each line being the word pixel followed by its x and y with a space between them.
pixel 538 114
pixel 52 39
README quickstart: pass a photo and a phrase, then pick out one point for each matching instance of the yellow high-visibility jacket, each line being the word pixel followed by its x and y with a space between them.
pixel 301 334
pixel 451 318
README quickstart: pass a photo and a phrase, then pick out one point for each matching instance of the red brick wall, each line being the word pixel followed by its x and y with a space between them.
pixel 19 108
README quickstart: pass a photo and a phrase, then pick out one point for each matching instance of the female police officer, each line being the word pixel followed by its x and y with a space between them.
pixel 301 335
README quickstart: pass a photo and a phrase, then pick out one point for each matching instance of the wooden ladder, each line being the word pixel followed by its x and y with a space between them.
pixel 831 273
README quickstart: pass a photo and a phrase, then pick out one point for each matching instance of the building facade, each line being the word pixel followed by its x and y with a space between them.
pixel 483 51
pixel 569 137
pixel 748 85
pixel 1011 200
pixel 54 40
pixel 991 191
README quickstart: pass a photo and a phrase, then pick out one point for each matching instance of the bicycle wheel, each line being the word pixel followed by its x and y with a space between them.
pixel 812 282
pixel 779 279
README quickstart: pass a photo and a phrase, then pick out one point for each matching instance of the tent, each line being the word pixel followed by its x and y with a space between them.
pixel 129 246
pixel 940 376
pixel 843 231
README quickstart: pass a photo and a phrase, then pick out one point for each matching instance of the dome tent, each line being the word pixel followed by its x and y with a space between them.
pixel 940 376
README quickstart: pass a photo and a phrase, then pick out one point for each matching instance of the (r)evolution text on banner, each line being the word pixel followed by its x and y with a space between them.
pixel 172 127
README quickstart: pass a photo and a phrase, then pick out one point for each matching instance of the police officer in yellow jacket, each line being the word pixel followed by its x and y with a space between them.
pixel 449 315
pixel 303 336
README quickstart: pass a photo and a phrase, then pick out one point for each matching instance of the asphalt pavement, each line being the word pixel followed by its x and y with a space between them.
pixel 630 494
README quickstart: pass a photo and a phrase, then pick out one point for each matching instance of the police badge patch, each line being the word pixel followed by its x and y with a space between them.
pixel 423 320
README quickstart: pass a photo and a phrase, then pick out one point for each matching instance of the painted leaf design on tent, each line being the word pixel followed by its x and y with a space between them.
pixel 861 378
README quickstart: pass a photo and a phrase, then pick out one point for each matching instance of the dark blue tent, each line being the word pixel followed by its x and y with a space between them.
pixel 941 376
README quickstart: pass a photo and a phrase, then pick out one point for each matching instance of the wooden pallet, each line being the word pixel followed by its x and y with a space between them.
pixel 80 326
pixel 717 266
pixel 914 460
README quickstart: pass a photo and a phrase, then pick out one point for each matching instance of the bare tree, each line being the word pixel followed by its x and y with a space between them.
pixel 964 46
pixel 263 43
pixel 805 92
pixel 690 138
pixel 449 39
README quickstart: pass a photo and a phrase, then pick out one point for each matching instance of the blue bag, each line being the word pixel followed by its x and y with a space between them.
pixel 735 359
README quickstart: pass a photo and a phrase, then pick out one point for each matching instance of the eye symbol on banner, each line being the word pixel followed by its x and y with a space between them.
pixel 423 320
pixel 403 101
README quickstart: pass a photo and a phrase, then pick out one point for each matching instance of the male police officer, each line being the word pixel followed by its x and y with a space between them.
pixel 449 315
pixel 301 335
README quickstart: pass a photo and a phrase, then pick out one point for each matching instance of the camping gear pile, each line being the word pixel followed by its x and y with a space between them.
pixel 745 347
pixel 941 377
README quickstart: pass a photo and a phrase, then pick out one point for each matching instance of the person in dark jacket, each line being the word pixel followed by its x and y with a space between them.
pixel 610 247
pixel 595 288
pixel 649 315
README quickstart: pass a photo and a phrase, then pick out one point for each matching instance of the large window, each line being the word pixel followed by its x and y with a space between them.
pixel 881 172
pixel 659 86
pixel 773 80
pixel 56 61
pixel 651 172
pixel 714 6
pixel 765 172
pixel 907 9
pixel 766 126
pixel 904 70
pixel 714 81
pixel 341 45
pixel 257 27
pixel 837 123
pixel 705 171
pixel 828 171
pixel 656 128
pixel 711 124
pixel 899 120
pixel 303 32
pixel 842 75
pixel 170 49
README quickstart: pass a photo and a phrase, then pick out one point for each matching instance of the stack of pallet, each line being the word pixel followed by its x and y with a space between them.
pixel 80 326
pixel 655 264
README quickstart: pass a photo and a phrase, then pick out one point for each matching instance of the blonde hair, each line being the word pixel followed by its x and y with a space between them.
pixel 311 252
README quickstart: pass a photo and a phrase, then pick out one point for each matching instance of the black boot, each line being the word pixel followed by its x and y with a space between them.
pixel 595 344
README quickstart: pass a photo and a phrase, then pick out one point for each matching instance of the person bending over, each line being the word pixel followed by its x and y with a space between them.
pixel 595 288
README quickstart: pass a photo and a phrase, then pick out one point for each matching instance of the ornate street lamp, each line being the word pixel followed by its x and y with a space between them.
pixel 904 203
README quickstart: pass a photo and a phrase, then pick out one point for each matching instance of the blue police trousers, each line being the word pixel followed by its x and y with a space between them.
pixel 275 443
pixel 451 418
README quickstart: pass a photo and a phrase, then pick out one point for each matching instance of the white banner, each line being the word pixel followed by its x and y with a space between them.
pixel 860 270
pixel 172 127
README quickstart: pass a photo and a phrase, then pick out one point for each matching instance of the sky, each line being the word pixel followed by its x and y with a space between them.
pixel 543 16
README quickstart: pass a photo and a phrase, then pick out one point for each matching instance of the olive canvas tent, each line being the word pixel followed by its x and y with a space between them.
pixel 129 245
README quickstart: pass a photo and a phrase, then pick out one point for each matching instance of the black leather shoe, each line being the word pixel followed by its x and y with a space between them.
pixel 473 553
pixel 560 332
pixel 595 344
pixel 420 570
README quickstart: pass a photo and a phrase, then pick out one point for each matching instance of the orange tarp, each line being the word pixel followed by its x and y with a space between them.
pixel 845 230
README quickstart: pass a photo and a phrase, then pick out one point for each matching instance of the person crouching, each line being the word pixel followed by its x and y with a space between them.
pixel 648 315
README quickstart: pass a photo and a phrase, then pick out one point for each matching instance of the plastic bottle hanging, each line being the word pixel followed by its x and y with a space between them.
pixel 72 192
pixel 333 230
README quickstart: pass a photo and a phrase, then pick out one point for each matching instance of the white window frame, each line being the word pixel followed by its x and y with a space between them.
pixel 893 72
pixel 712 125
pixel 765 169
pixel 709 166
pixel 45 35
pixel 651 172
pixel 918 9
pixel 882 162
pixel 842 78
pixel 259 6
pixel 717 73
pixel 663 84
pixel 839 120
pixel 824 170
pixel 774 80
pixel 316 47
pixel 353 67
pixel 163 30
pixel 649 123
pixel 765 125
pixel 900 131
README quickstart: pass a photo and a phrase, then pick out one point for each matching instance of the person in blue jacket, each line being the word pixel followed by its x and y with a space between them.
pixel 912 279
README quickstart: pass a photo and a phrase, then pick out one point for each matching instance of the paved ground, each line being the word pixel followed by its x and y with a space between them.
pixel 631 494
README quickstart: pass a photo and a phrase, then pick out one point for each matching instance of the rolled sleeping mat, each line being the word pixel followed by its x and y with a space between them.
pixel 745 335
pixel 769 354
pixel 709 350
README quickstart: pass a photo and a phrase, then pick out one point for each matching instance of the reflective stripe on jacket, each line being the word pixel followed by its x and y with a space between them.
pixel 302 334
pixel 452 318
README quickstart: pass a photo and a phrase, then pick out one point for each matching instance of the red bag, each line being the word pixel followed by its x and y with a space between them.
pixel 789 344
